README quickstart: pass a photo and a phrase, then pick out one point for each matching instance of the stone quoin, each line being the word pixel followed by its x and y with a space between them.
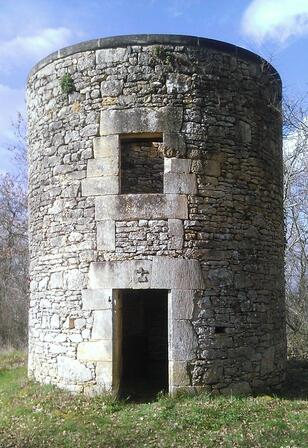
pixel 156 219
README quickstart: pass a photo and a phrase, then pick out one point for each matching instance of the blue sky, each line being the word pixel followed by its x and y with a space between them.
pixel 31 29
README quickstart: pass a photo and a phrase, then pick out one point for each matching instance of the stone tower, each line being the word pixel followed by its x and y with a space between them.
pixel 156 222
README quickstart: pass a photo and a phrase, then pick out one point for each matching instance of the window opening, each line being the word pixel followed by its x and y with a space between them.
pixel 142 163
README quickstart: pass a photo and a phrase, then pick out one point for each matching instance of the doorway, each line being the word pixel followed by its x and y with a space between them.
pixel 143 343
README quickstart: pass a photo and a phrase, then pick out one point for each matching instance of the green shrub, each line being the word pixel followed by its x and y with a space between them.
pixel 67 84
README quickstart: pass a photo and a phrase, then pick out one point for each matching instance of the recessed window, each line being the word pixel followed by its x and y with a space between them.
pixel 220 330
pixel 142 163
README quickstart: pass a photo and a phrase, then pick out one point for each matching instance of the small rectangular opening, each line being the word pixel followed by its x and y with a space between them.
pixel 220 330
pixel 142 163
pixel 144 343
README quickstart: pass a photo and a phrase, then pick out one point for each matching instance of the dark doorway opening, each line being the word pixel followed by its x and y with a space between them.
pixel 144 343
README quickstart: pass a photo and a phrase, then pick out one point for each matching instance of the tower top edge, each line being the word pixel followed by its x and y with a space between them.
pixel 153 39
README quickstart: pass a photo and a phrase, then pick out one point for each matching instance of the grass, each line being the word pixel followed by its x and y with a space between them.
pixel 33 416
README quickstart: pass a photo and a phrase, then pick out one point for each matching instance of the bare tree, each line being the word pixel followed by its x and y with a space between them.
pixel 296 212
pixel 14 246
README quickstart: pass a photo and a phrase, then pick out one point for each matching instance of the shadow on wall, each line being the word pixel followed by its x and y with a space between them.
pixel 296 384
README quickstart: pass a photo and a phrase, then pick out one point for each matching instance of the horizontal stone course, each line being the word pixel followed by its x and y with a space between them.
pixel 140 120
pixel 159 273
pixel 141 206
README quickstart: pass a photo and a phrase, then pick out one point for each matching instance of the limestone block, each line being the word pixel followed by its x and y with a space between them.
pixel 141 206
pixel 174 140
pixel 73 279
pixel 85 334
pixel 212 168
pixel 175 165
pixel 94 390
pixel 72 370
pixel 96 299
pixel 86 61
pixel 89 130
pixel 79 323
pixel 71 388
pixel 95 350
pixel 267 361
pixel 107 146
pixel 57 348
pixel 56 280
pixel 104 166
pixel 110 100
pixel 111 87
pixel 43 284
pixel 176 273
pixel 102 325
pixel 105 235
pixel 181 304
pixel 110 55
pixel 183 341
pixel 75 338
pixel 75 237
pixel 104 374
pixel 179 390
pixel 160 273
pixel 180 183
pixel 60 338
pixel 240 388
pixel 178 83
pixel 213 374
pixel 175 233
pixel 46 71
pixel 55 321
pixel 164 119
pixel 245 132
pixel 120 274
pixel 100 186
pixel 221 277
pixel 178 375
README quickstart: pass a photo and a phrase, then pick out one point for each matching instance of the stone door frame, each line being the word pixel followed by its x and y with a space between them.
pixel 181 277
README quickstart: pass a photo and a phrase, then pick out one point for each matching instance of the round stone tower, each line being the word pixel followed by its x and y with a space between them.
pixel 156 222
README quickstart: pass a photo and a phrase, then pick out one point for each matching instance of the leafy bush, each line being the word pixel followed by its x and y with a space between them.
pixel 67 84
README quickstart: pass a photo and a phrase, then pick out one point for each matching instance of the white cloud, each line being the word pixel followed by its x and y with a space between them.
pixel 24 50
pixel 276 20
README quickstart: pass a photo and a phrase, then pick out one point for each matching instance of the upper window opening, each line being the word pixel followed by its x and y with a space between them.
pixel 142 163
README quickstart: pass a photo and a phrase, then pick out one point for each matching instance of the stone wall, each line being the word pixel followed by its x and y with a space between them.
pixel 213 237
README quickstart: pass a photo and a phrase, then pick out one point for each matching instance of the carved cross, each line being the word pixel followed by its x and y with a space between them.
pixel 142 275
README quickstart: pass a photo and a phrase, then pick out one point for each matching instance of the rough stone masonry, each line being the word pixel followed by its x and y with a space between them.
pixel 161 169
